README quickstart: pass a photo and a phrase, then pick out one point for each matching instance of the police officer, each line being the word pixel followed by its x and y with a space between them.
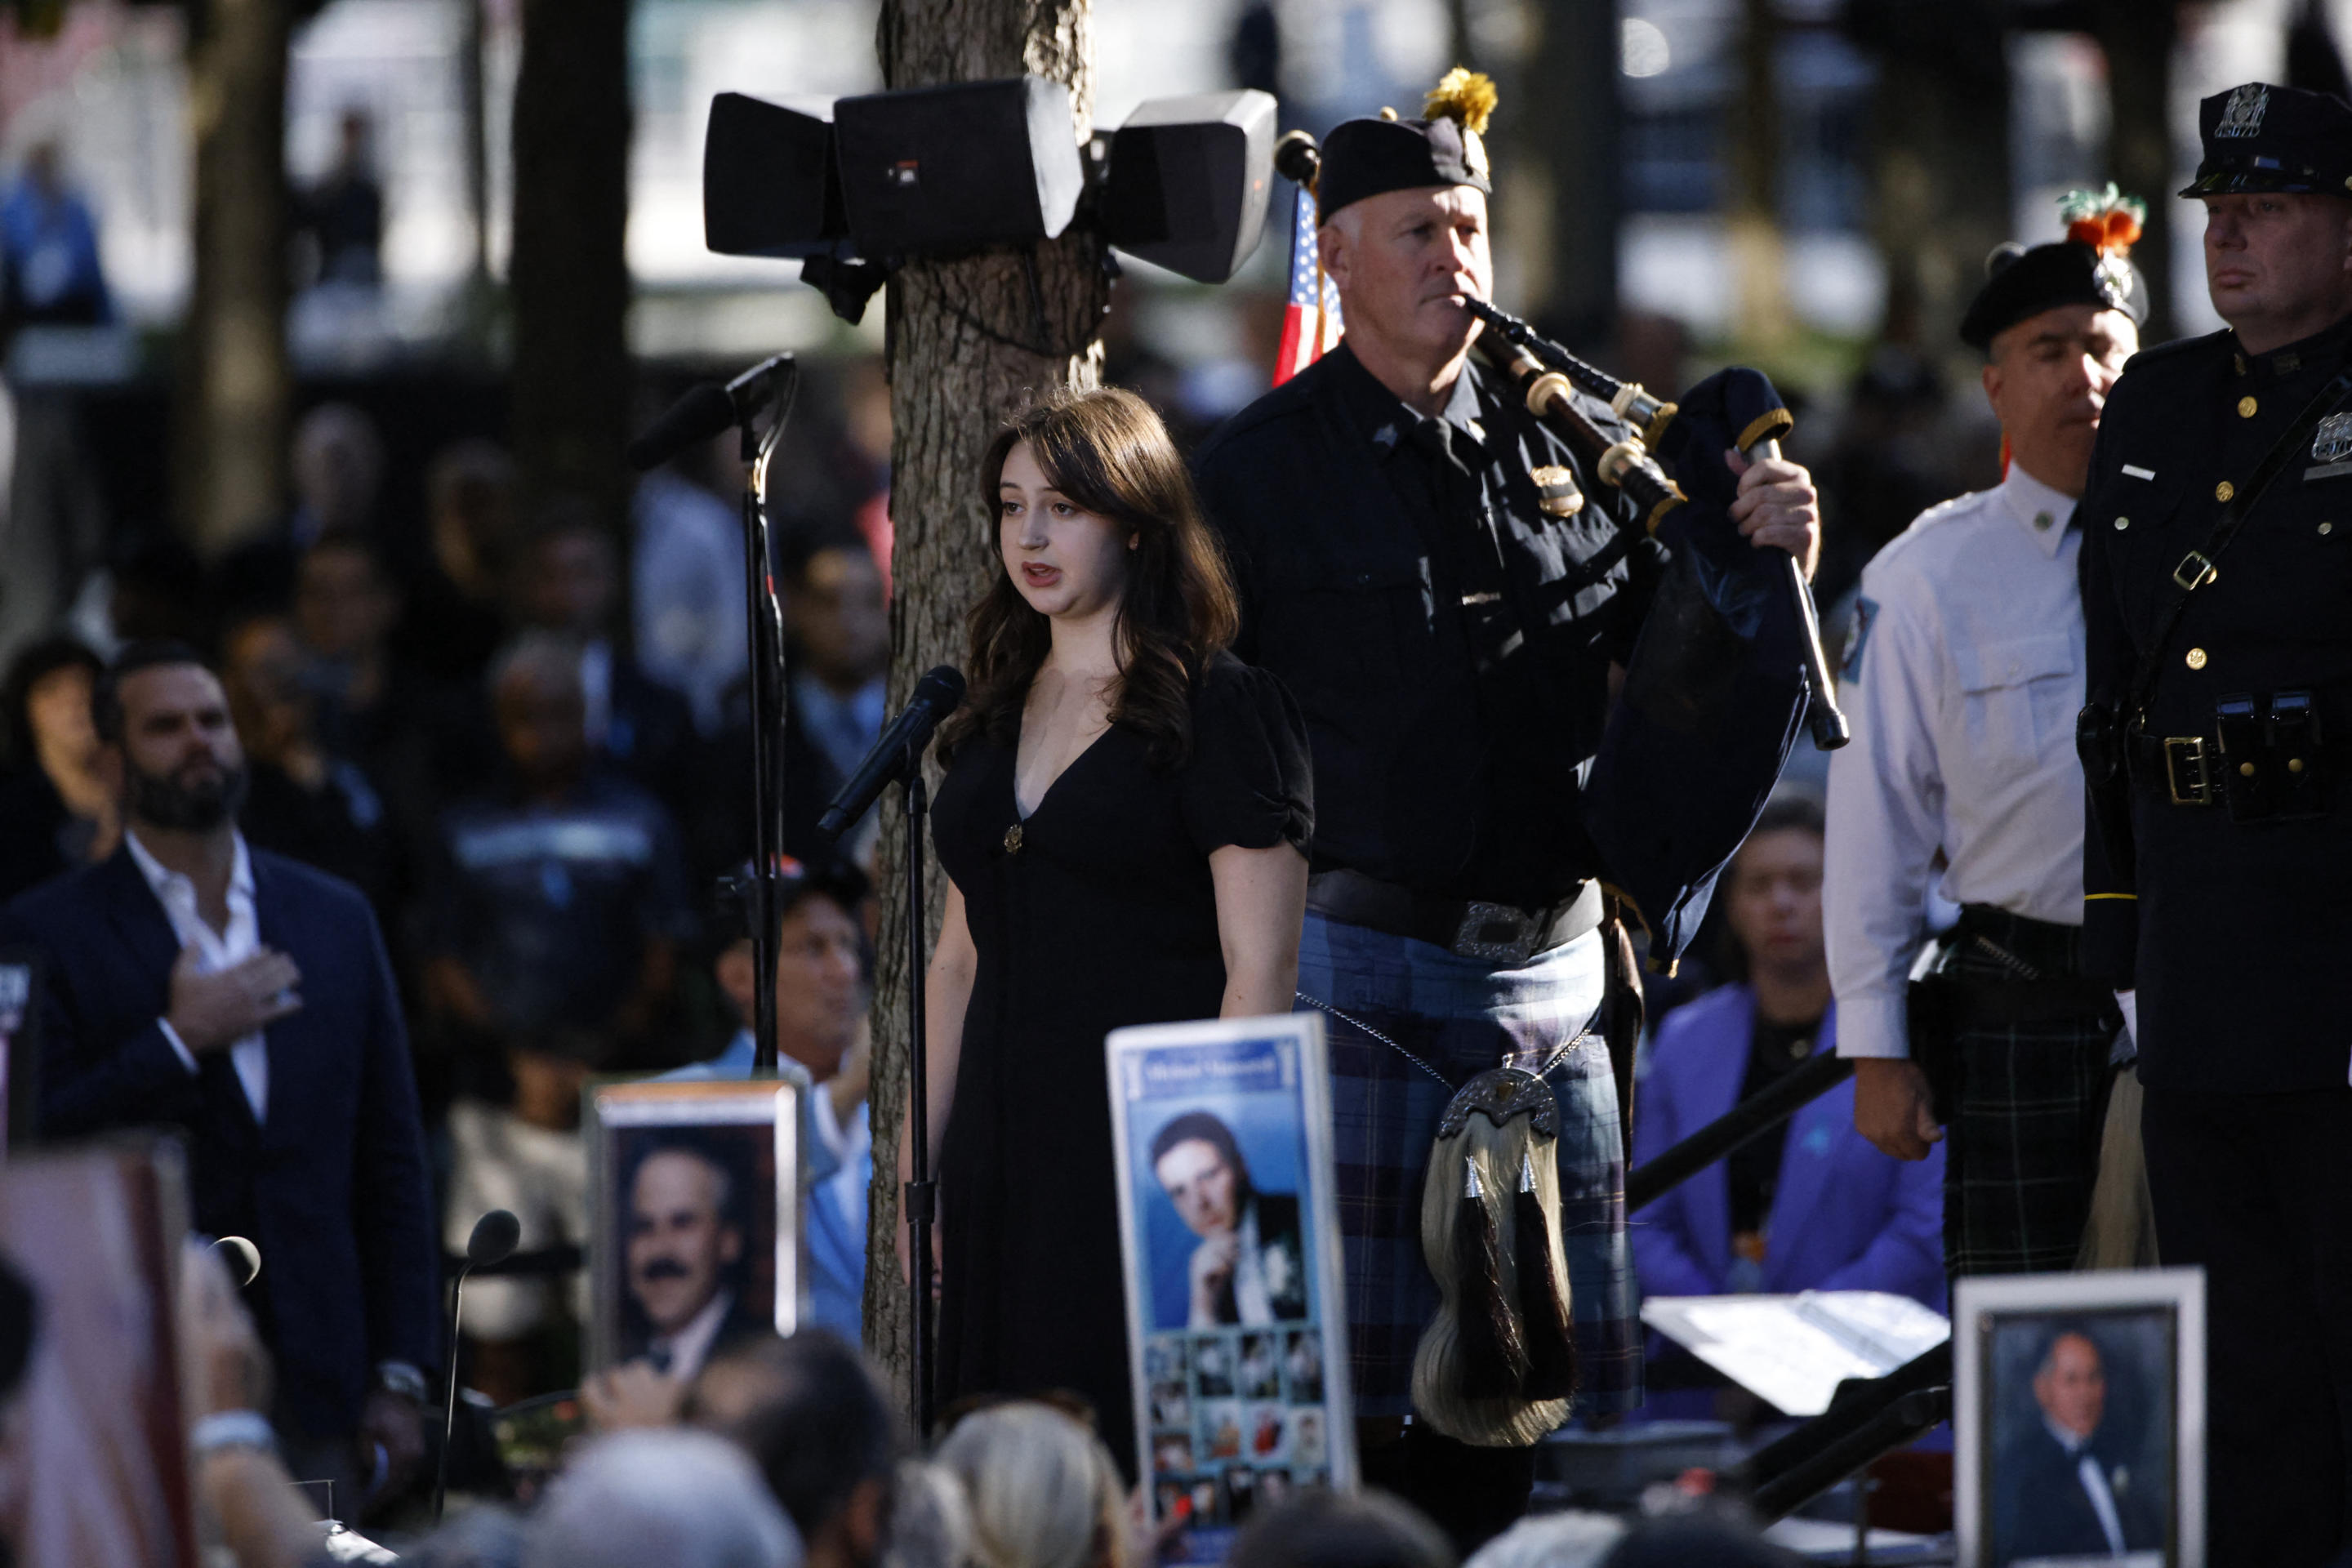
pixel 1963 677
pixel 2217 593
pixel 1449 623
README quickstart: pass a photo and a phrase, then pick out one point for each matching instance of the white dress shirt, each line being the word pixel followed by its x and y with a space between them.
pixel 214 952
pixel 681 1355
pixel 1964 676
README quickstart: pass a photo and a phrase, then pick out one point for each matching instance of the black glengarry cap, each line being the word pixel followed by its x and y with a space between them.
pixel 2089 267
pixel 1371 157
pixel 2263 138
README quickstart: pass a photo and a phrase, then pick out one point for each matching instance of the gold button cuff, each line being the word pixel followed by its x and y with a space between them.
pixel 2246 406
pixel 2196 658
pixel 2224 490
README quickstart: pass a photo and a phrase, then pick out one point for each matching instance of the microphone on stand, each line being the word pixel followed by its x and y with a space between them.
pixel 495 1236
pixel 708 409
pixel 936 696
pixel 244 1260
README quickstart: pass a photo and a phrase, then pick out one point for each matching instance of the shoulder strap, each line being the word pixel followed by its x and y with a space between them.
pixel 2196 568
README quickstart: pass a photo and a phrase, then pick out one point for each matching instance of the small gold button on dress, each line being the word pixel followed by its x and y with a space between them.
pixel 2224 490
pixel 2196 658
pixel 2246 406
pixel 2245 770
pixel 1013 834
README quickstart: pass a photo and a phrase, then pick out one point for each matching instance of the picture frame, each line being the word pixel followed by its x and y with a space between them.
pixel 694 1233
pixel 2079 1418
pixel 97 1231
pixel 1237 1324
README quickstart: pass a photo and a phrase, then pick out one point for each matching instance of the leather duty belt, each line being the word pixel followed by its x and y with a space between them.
pixel 1468 927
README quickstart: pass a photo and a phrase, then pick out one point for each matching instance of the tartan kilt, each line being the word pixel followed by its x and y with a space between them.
pixel 1460 1017
pixel 2029 1108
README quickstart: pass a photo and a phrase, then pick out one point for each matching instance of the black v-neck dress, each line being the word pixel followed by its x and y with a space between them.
pixel 1097 914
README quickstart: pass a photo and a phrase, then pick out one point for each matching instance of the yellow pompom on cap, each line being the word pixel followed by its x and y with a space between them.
pixel 1465 97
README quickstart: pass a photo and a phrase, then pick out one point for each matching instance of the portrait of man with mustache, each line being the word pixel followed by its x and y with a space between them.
pixel 685 1245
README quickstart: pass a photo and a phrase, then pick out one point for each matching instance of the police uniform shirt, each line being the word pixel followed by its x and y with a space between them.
pixel 2235 931
pixel 1962 686
pixel 1448 641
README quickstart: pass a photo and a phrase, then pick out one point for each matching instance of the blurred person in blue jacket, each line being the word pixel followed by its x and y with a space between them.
pixel 1810 1205
pixel 49 249
pixel 824 971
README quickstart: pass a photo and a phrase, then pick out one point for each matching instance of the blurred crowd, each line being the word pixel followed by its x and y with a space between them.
pixel 527 742
pixel 787 1454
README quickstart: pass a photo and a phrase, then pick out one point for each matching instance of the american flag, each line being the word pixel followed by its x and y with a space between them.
pixel 1310 324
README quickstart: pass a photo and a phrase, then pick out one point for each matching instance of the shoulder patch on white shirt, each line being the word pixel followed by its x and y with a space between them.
pixel 1865 615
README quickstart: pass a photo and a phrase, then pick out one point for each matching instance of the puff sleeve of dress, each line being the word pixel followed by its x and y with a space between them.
pixel 1250 781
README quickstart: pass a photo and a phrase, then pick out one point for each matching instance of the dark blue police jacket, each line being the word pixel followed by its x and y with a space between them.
pixel 1424 775
pixel 2231 923
pixel 333 1188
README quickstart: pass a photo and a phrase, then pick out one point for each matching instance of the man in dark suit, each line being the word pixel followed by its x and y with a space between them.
pixel 1249 1267
pixel 245 1000
pixel 2057 1492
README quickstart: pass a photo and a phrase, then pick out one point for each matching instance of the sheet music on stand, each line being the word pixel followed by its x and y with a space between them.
pixel 1794 1351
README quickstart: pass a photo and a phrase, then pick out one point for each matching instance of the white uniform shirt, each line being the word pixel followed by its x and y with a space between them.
pixel 1963 683
pixel 214 952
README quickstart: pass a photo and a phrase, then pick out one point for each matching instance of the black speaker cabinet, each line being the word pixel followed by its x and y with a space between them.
pixel 942 168
pixel 1187 185
pixel 769 186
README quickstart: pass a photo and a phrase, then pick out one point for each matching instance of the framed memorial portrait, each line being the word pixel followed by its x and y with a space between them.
pixel 694 1242
pixel 2079 1419
pixel 99 1446
pixel 1228 1225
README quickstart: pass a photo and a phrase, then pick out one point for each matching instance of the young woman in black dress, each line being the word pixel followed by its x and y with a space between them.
pixel 1123 825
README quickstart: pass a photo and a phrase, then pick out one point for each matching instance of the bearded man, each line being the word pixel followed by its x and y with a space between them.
pixel 245 1000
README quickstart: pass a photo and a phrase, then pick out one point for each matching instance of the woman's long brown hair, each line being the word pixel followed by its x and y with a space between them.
pixel 1108 453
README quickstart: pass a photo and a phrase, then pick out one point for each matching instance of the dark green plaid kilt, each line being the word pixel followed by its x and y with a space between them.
pixel 2024 1106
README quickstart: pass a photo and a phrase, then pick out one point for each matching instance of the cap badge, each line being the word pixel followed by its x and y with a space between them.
pixel 1474 153
pixel 2332 443
pixel 2112 278
pixel 2242 115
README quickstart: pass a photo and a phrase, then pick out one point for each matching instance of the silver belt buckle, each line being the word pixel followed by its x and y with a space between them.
pixel 1498 933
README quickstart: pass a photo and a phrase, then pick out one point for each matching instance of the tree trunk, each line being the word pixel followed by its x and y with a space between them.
pixel 967 348
pixel 1761 321
pixel 1568 160
pixel 2137 37
pixel 568 276
pixel 1941 137
pixel 235 385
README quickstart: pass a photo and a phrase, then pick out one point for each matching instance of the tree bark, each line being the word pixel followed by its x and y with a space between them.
pixel 235 385
pixel 1940 131
pixel 568 276
pixel 2137 37
pixel 971 340
pixel 1565 152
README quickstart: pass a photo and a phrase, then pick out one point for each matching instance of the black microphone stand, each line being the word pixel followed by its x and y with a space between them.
pixel 767 695
pixel 922 1192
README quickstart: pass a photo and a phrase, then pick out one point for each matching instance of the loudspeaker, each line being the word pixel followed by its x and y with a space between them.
pixel 1187 185
pixel 769 186
pixel 953 168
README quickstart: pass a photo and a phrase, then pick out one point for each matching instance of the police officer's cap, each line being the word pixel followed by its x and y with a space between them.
pixel 2263 138
pixel 1371 157
pixel 2087 268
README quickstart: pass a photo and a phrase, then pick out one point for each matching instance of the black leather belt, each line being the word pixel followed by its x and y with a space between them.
pixel 2194 770
pixel 1469 928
